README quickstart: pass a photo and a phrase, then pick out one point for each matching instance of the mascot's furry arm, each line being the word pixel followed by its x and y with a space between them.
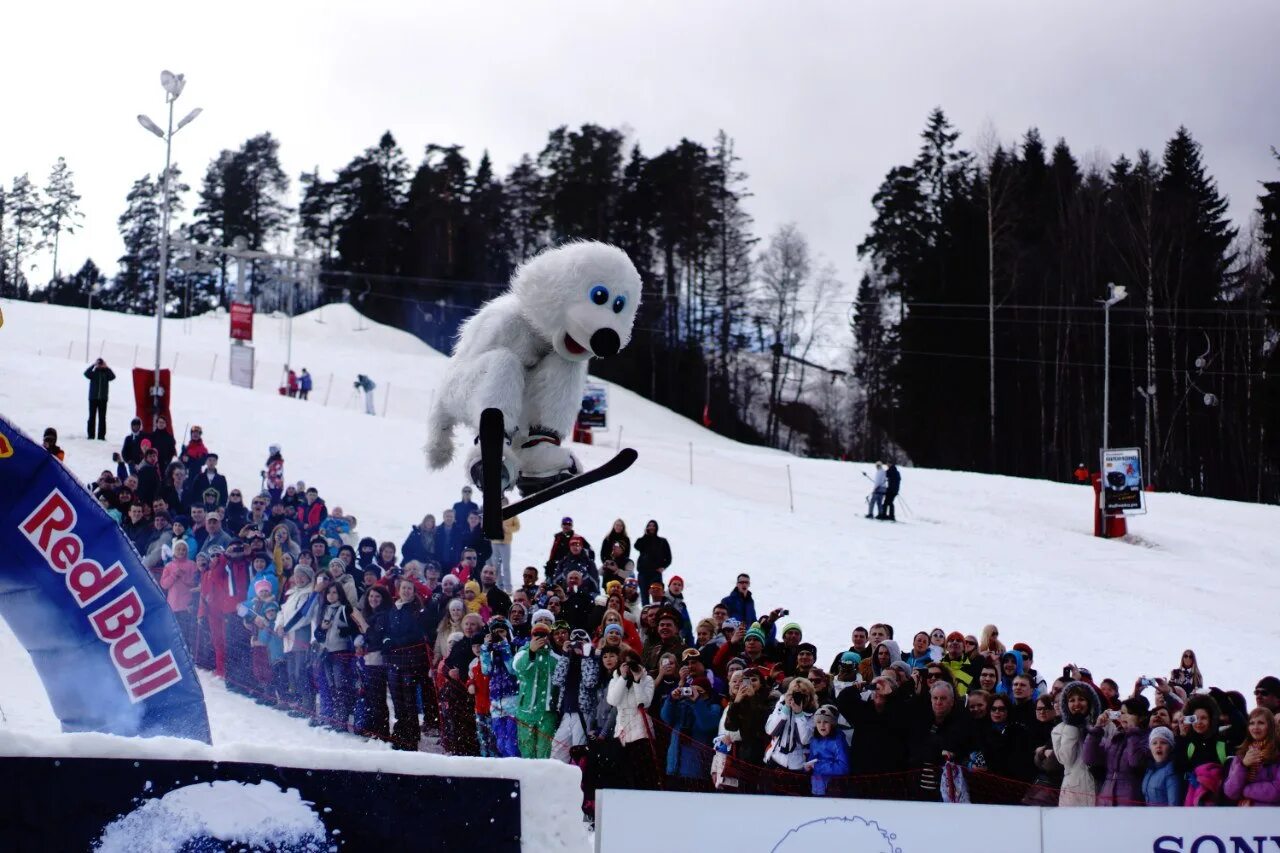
pixel 525 353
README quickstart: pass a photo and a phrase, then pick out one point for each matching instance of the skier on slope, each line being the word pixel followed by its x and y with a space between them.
pixel 893 483
pixel 525 353
pixel 879 485
pixel 365 384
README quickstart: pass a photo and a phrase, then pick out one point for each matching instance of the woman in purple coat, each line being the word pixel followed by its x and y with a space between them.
pixel 1254 778
pixel 1118 742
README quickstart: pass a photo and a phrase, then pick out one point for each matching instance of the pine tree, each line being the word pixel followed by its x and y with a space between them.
pixel 318 213
pixel 489 241
pixel 729 267
pixel 582 179
pixel 436 213
pixel 134 288
pixel 61 206
pixel 22 234
pixel 526 210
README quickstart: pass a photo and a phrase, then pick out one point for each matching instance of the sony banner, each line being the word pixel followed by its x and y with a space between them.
pixel 75 593
pixel 624 822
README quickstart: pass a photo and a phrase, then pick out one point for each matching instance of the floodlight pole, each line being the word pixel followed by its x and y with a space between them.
pixel 1114 295
pixel 157 391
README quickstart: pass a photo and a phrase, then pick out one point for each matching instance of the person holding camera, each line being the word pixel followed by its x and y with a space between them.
pixel 790 727
pixel 630 692
pixel 1200 752
pixel 1118 743
pixel 574 682
pixel 99 376
pixel 535 665
pixel 694 719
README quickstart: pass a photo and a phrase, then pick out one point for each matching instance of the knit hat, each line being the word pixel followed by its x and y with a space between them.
pixel 757 632
pixel 543 615
pixel 261 585
pixel 851 658
pixel 675 578
pixel 566 520
pixel 807 647
pixel 1160 733
pixel 730 624
pixel 1025 649
pixel 306 572
pixel 955 635
pixel 902 667
pixel 339 562
pixel 210 491
pixel 828 713
pixel 541 630
pixel 792 626
pixel 612 586
pixel 703 682
pixel 613 628
pixel 578 539
pixel 270 606
pixel 498 622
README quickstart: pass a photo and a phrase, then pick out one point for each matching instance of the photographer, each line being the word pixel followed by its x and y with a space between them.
pixel 630 692
pixel 574 681
pixel 99 375
pixel 534 666
pixel 365 384
pixel 694 720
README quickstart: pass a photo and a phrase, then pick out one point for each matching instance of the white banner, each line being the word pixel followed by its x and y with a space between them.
pixel 758 824
pixel 747 824
pixel 1162 830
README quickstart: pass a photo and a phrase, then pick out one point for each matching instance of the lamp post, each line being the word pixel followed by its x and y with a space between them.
pixel 1116 293
pixel 88 326
pixel 173 85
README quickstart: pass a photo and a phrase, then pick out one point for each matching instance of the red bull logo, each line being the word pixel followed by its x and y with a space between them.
pixel 116 614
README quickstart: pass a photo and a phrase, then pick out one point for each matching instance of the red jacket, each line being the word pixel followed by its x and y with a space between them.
pixel 224 585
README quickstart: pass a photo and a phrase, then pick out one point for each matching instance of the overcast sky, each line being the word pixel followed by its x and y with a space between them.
pixel 822 98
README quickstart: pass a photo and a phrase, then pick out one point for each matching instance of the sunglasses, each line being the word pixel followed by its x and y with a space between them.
pixel 999 709
pixel 1261 693
pixel 933 675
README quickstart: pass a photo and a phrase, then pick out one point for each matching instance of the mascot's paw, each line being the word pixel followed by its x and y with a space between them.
pixel 510 466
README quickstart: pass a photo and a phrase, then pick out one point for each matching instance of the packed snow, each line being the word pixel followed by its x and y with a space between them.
pixel 971 549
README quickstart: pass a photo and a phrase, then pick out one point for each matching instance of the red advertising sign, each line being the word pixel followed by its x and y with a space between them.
pixel 242 321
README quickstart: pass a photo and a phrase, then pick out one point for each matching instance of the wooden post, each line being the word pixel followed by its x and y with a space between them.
pixel 791 498
pixel 691 463
pixel 213 367
pixel 386 398
pixel 328 389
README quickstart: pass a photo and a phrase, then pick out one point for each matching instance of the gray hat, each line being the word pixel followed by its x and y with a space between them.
pixel 1161 733
pixel 305 571
pixel 828 713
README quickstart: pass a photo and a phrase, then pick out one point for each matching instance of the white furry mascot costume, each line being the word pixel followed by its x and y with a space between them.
pixel 526 352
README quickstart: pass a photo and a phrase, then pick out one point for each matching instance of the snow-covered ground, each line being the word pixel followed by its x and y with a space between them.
pixel 973 549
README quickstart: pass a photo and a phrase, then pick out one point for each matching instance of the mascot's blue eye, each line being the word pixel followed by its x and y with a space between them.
pixel 599 294
pixel 619 303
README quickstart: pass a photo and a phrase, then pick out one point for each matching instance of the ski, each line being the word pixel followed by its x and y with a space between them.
pixel 621 461
pixel 492 437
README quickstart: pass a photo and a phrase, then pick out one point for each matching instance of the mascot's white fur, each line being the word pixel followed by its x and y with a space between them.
pixel 526 352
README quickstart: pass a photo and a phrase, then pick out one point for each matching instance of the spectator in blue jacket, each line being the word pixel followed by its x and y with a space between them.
pixel 464 507
pixel 423 542
pixel 828 753
pixel 1161 785
pixel 739 602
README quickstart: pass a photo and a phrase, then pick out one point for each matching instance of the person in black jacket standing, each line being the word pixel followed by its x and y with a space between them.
pixel 893 481
pixel 99 375
pixel 655 555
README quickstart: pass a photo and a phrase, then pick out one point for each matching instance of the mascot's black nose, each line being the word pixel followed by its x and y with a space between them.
pixel 605 343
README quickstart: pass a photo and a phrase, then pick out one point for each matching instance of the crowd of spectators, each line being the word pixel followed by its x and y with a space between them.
pixel 593 657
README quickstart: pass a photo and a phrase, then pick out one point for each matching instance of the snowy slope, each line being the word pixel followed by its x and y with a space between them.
pixel 973 549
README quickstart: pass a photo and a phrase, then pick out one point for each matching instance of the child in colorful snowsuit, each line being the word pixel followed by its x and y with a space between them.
pixel 478 686
pixel 504 688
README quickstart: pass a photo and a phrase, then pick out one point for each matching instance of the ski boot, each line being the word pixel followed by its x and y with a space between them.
pixel 543 462
pixel 510 464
